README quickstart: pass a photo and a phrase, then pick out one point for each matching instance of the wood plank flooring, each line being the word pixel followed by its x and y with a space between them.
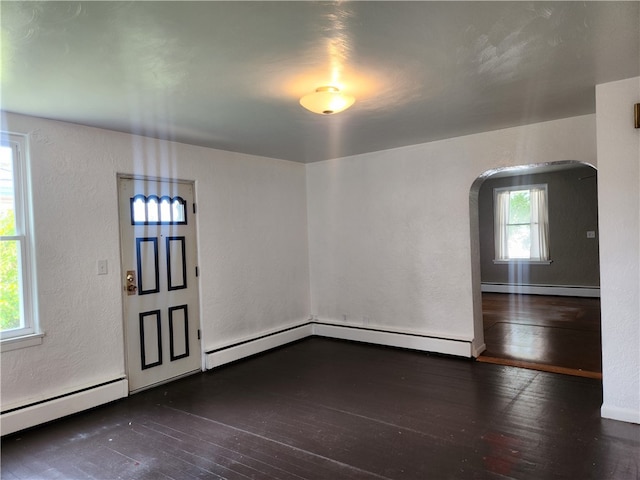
pixel 327 409
pixel 552 333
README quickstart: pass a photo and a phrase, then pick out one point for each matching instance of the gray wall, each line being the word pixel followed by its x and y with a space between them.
pixel 573 210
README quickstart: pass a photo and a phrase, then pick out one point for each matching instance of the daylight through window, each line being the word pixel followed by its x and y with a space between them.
pixel 16 312
pixel 521 223
pixel 154 210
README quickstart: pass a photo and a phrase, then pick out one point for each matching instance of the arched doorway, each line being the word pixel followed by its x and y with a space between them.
pixel 539 314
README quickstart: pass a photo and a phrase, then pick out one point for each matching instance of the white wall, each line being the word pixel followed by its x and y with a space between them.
pixel 619 214
pixel 389 241
pixel 252 245
pixel 389 232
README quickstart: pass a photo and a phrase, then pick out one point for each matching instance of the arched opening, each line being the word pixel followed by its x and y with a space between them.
pixel 530 310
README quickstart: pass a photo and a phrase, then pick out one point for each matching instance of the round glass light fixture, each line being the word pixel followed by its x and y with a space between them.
pixel 327 101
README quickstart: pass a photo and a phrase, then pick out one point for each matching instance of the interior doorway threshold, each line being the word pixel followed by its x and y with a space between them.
pixel 576 372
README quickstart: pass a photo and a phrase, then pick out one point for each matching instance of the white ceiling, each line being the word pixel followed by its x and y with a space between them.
pixel 228 75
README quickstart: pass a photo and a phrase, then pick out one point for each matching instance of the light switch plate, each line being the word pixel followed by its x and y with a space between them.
pixel 103 268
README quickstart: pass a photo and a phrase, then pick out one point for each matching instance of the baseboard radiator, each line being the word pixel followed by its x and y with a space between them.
pixel 558 290
pixel 434 344
pixel 389 338
pixel 20 418
pixel 253 346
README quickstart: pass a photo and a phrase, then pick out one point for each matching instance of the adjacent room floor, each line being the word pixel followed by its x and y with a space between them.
pixel 551 333
pixel 327 409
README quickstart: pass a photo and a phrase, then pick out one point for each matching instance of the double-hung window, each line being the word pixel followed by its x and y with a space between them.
pixel 521 222
pixel 17 312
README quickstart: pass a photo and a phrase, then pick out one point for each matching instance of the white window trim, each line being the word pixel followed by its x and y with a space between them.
pixel 23 341
pixel 31 334
pixel 518 261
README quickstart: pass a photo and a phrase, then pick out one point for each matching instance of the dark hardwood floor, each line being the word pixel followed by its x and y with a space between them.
pixel 327 409
pixel 558 334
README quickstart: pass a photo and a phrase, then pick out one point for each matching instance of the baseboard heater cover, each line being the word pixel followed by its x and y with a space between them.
pixel 45 411
pixel 425 343
pixel 224 355
pixel 238 351
pixel 557 290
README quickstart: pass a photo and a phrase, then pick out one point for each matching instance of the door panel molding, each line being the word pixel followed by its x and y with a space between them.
pixel 141 256
pixel 176 265
pixel 176 333
pixel 145 340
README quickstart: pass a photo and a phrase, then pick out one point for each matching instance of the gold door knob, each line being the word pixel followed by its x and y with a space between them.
pixel 131 287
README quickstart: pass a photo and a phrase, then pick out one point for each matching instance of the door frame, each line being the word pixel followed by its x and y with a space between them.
pixel 150 178
pixel 478 344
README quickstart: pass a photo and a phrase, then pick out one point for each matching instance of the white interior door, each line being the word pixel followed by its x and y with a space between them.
pixel 158 249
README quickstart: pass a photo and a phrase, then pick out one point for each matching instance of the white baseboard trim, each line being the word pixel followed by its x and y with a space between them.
pixel 620 414
pixel 231 353
pixel 460 348
pixel 48 410
pixel 559 290
pixel 477 350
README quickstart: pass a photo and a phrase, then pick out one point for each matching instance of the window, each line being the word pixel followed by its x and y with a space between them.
pixel 154 210
pixel 521 224
pixel 16 297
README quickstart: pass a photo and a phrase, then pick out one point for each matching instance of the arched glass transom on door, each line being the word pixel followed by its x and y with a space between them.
pixel 154 210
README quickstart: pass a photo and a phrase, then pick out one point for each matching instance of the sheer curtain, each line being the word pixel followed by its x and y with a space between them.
pixel 539 224
pixel 501 230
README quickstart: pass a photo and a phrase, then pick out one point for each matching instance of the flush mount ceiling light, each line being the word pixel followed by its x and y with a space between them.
pixel 327 101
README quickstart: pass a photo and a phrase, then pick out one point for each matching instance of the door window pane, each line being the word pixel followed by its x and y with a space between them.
pixel 178 211
pixel 152 210
pixel 139 210
pixel 165 210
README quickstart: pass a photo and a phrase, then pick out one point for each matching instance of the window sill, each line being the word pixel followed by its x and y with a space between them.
pixel 520 261
pixel 24 341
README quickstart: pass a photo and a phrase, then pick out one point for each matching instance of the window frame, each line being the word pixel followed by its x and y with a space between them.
pixel 30 333
pixel 512 188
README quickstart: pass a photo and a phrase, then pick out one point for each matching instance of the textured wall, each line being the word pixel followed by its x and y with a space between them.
pixel 389 232
pixel 389 240
pixel 619 211
pixel 573 209
pixel 252 247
